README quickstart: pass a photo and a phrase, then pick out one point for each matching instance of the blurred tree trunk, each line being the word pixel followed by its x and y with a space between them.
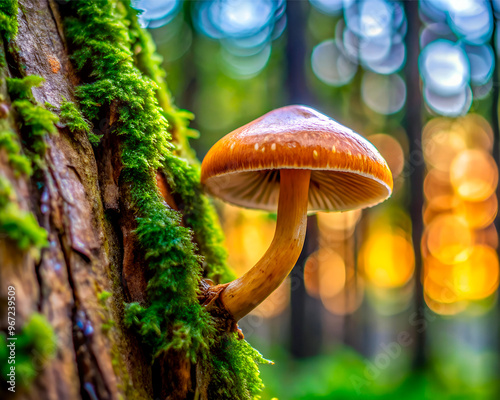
pixel 305 315
pixel 78 198
pixel 413 125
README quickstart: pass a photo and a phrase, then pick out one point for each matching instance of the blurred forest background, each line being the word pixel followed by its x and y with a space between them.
pixel 392 302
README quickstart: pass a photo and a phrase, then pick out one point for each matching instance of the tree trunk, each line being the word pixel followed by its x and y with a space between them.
pixel 96 184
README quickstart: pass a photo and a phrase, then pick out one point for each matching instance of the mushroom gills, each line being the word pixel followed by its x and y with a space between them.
pixel 338 190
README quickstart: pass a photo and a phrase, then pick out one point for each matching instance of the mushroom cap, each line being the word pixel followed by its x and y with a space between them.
pixel 347 171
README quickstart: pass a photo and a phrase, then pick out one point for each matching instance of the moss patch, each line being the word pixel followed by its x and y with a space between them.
pixel 20 226
pixel 34 120
pixel 8 18
pixel 180 166
pixel 9 142
pixel 173 318
pixel 35 346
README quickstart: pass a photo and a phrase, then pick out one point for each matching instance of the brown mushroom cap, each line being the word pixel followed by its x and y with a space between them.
pixel 347 171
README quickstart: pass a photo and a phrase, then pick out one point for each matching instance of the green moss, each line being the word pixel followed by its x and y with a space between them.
pixel 183 173
pixel 8 18
pixel 35 121
pixel 108 325
pixel 73 118
pixel 233 369
pixel 199 215
pixel 172 318
pixel 103 296
pixel 20 226
pixel 18 161
pixel 20 88
pixel 35 346
pixel 102 46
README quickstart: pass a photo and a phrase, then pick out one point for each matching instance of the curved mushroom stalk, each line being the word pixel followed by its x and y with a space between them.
pixel 245 293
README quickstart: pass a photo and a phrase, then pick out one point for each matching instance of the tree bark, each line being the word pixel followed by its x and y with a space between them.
pixel 80 200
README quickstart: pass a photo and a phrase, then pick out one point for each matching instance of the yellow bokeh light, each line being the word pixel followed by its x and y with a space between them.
pixel 338 221
pixel 478 132
pixel 477 277
pixel 487 236
pixel 347 301
pixel 438 281
pixel 248 235
pixel 474 175
pixel 437 184
pixel 387 258
pixel 443 146
pixel 449 239
pixel 439 205
pixel 458 244
pixel 324 273
pixel 478 214
pixel 332 273
pixel 444 308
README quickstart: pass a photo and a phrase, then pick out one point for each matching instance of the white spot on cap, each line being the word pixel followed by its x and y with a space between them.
pixel 256 146
pixel 263 149
pixel 232 146
pixel 334 148
pixel 315 154
pixel 273 146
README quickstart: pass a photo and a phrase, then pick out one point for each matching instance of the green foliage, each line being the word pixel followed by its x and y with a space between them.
pixel 233 369
pixel 73 118
pixel 344 375
pixel 183 173
pixel 8 18
pixel 35 345
pixel 35 121
pixel 20 88
pixel 103 296
pixel 19 162
pixel 20 226
pixel 173 317
pixel 184 180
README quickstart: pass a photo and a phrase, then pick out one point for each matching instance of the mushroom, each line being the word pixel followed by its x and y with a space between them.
pixel 294 160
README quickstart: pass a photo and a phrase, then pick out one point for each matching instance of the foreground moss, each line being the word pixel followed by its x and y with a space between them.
pixel 19 225
pixel 173 317
pixel 8 18
pixel 36 344
pixel 34 120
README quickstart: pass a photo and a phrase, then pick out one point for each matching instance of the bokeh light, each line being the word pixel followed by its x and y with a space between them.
pixel 387 258
pixel 155 13
pixel 477 277
pixel 385 94
pixel 325 273
pixel 456 62
pixel 459 241
pixel 330 65
pixel 474 175
pixel 391 150
pixel 449 239
pixel 245 30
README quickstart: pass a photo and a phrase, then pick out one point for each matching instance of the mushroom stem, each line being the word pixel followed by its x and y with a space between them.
pixel 245 293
